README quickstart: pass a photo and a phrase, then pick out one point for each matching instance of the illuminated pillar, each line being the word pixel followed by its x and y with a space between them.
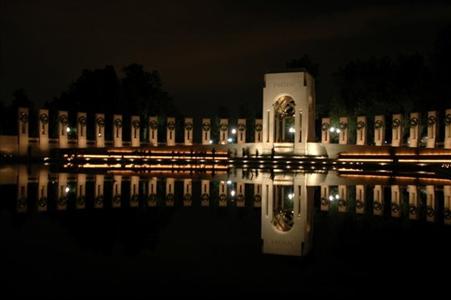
pixel 258 130
pixel 117 191
pixel 432 129
pixel 187 192
pixel 134 191
pixel 80 202
pixel 414 132
pixel 135 131
pixel 447 204
pixel 343 198
pixel 240 194
pixel 152 192
pixel 188 131
pixel 100 130
pixel 325 134
pixel 344 134
pixel 62 192
pixel 360 197
pixel 361 130
pixel 42 196
pixel 117 130
pixel 395 201
pixel 170 131
pixel 396 130
pixel 223 131
pixel 222 193
pixel 170 191
pixel 378 200
pixel 99 190
pixel 413 201
pixel 379 130
pixel 153 131
pixel 241 131
pixel 44 130
pixel 257 195
pixel 206 129
pixel 22 189
pixel 63 121
pixel 205 193
pixel 430 203
pixel 447 141
pixel 82 139
pixel 23 141
pixel 325 201
pixel 267 201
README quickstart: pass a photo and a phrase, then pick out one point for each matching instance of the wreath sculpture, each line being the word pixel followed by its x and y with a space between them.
pixel 413 122
pixel 206 126
pixel 23 117
pixel 81 200
pixel 257 198
pixel 377 206
pixel 82 120
pixel 170 197
pixel 378 124
pixel 188 126
pixel 325 126
pixel 63 120
pixel 396 123
pixel 448 119
pixel 42 202
pixel 204 197
pixel 118 123
pixel 432 120
pixel 361 124
pixel 136 124
pixel 44 118
pixel 343 125
pixel 258 127
pixel 153 124
pixel 223 127
pixel 359 204
pixel 241 127
pixel 100 121
pixel 324 201
pixel 395 208
pixel 222 197
pixel 171 125
pixel 430 212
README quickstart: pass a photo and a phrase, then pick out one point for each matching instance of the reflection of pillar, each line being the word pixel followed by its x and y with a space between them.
pixel 344 128
pixel 152 192
pixel 81 129
pixel 44 130
pixel 267 201
pixel 283 130
pixel 100 130
pixel 63 122
pixel 170 131
pixel 378 200
pixel 134 191
pixel 325 193
pixel 117 130
pixel 62 192
pixel 379 130
pixel 343 198
pixel 135 131
pixel 98 192
pixel 206 129
pixel 396 140
pixel 361 130
pixel 42 196
pixel 188 126
pixel 187 192
pixel 170 191
pixel 360 197
pixel 241 131
pixel 430 203
pixel 258 130
pixel 205 193
pixel 395 201
pixel 447 141
pixel 22 115
pixel 222 193
pixel 223 130
pixel 414 132
pixel 80 202
pixel 257 195
pixel 413 201
pixel 22 189
pixel 447 204
pixel 153 131
pixel 240 194
pixel 117 191
pixel 325 134
pixel 432 129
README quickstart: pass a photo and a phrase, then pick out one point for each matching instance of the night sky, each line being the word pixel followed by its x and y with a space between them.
pixel 208 52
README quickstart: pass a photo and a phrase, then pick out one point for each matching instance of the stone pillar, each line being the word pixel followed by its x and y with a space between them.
pixel 117 131
pixel 63 122
pixel 241 131
pixel 44 130
pixel 378 200
pixel 432 129
pixel 414 131
pixel 22 189
pixel 134 191
pixel 447 141
pixel 325 134
pixel 205 193
pixel 361 130
pixel 257 195
pixel 153 131
pixel 170 191
pixel 206 130
pixel 240 194
pixel 431 211
pixel 343 198
pixel 325 201
pixel 223 131
pixel 413 201
pixel 360 197
pixel 258 130
pixel 100 130
pixel 395 201
pixel 117 191
pixel 170 131
pixel 187 192
pixel 80 202
pixel 379 130
pixel 222 193
pixel 135 131
pixel 344 131
pixel 62 192
pixel 188 131
pixel 397 130
pixel 447 204
pixel 99 191
pixel 82 139
pixel 152 192
pixel 42 195
pixel 23 141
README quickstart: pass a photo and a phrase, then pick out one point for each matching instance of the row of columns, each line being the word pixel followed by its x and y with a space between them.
pixel 414 137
